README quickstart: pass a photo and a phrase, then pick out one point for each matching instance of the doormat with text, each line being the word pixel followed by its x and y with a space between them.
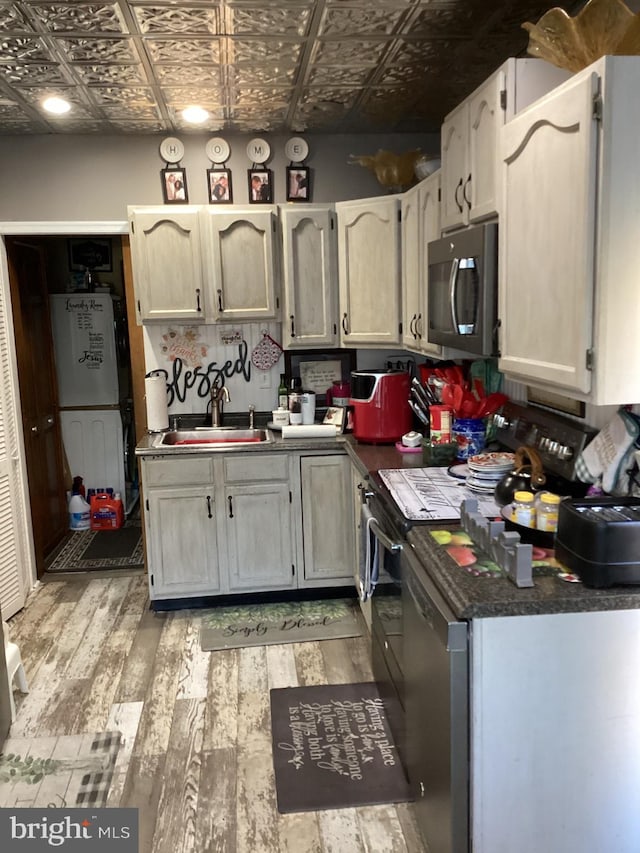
pixel 279 622
pixel 87 550
pixel 333 749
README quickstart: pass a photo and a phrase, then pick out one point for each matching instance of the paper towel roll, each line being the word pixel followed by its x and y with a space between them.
pixel 311 431
pixel 155 391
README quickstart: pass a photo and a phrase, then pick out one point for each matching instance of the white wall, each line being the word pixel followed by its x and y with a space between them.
pixel 87 178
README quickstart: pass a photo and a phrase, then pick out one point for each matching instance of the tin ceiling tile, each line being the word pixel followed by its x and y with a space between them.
pixel 286 65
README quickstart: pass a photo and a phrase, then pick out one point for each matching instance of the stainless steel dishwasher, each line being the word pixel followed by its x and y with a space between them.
pixel 436 694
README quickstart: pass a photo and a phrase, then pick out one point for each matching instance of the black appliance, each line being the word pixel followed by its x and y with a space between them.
pixel 599 539
pixel 463 290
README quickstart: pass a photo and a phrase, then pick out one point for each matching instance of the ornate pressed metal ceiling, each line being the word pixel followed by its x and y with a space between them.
pixel 335 66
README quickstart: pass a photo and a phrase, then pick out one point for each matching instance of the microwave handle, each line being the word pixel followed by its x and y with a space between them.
pixel 453 286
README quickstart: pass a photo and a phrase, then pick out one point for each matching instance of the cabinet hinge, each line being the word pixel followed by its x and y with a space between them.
pixel 439 194
pixel 589 359
pixel 400 329
pixel 273 225
pixel 333 223
pixel 277 301
pixel 399 216
pixel 146 503
pixel 597 107
pixel 293 570
pixel 335 328
pixel 133 227
pixel 290 498
pixel 151 579
pixel 503 99
pixel 139 306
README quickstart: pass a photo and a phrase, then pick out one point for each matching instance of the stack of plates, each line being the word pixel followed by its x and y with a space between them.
pixel 487 469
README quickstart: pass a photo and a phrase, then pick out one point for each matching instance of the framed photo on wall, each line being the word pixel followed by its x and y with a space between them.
pixel 219 184
pixel 298 183
pixel 174 185
pixel 260 186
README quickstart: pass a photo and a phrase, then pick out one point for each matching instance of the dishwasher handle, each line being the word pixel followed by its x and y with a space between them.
pixel 381 536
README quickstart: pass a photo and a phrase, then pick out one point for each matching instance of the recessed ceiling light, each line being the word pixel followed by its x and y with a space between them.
pixel 195 115
pixel 56 105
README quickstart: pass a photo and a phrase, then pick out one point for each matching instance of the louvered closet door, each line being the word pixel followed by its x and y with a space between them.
pixel 13 523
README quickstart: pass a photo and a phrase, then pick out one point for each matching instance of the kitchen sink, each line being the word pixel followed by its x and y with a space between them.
pixel 218 437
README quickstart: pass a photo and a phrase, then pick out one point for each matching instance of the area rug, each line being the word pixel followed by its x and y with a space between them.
pixel 333 749
pixel 100 549
pixel 70 770
pixel 281 622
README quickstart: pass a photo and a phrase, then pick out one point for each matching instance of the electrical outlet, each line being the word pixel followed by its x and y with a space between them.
pixel 265 380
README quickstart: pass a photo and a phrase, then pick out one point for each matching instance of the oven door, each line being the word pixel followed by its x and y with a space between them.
pixel 387 621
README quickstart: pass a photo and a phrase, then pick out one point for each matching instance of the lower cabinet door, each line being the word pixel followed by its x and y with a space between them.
pixel 327 520
pixel 182 541
pixel 259 537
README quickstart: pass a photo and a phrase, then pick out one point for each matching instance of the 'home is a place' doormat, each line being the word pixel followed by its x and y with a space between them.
pixel 333 749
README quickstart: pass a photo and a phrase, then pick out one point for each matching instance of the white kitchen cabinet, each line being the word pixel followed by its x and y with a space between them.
pixel 470 166
pixel 257 523
pixel 241 258
pixel 181 528
pixel 569 253
pixel 327 520
pixel 369 271
pixel 168 272
pixel 420 225
pixel 310 276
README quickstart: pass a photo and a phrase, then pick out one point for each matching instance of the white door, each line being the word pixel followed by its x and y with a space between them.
pixel 429 214
pixel 167 264
pixel 310 276
pixel 485 118
pixel 16 556
pixel 412 319
pixel 547 239
pixel 454 137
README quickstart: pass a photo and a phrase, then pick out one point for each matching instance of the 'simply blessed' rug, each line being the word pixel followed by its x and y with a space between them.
pixel 280 622
pixel 333 749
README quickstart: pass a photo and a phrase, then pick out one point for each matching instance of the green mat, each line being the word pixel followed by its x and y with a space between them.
pixel 282 622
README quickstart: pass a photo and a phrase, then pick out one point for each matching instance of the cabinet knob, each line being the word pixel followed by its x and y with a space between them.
pixel 230 500
pixel 220 306
pixel 209 513
pixel 198 307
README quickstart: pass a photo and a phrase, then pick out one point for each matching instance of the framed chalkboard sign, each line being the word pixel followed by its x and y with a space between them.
pixel 90 253
pixel 319 370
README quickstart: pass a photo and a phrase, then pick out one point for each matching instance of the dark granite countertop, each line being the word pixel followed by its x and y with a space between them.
pixel 471 597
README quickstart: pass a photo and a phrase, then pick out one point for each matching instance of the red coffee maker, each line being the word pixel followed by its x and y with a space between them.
pixel 381 413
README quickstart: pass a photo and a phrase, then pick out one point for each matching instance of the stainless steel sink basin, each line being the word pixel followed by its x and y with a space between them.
pixel 219 437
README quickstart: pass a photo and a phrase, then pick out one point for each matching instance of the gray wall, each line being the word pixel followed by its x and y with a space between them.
pixel 77 178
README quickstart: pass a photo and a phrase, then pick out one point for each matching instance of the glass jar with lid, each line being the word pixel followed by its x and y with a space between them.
pixel 547 511
pixel 524 509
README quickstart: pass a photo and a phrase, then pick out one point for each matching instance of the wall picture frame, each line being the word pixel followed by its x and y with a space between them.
pixel 174 185
pixel 219 186
pixel 318 370
pixel 92 253
pixel 260 186
pixel 298 183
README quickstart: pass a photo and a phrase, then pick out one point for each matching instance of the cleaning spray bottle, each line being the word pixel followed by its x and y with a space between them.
pixel 79 509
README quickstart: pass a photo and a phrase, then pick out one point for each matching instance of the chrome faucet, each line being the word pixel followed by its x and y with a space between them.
pixel 252 410
pixel 219 393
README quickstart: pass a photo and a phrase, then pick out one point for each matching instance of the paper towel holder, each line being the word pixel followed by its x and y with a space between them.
pixel 151 375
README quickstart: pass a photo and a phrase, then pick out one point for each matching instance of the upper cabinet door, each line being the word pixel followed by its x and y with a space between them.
pixel 412 319
pixel 548 237
pixel 239 247
pixel 482 189
pixel 369 271
pixel 167 264
pixel 310 274
pixel 455 167
pixel 429 206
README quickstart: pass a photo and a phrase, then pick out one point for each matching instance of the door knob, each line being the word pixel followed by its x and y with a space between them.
pixel 35 430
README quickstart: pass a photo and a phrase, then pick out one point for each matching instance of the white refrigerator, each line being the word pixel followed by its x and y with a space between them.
pixel 84 339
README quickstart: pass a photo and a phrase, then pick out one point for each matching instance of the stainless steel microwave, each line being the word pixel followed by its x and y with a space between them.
pixel 463 290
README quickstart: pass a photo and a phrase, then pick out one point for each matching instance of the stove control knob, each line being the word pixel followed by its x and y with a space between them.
pixel 553 448
pixel 565 452
pixel 501 422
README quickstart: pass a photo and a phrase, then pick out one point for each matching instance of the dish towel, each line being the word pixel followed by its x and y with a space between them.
pixel 609 456
pixel 369 555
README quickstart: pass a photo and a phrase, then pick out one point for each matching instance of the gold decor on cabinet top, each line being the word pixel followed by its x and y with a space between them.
pixel 602 27
pixel 395 172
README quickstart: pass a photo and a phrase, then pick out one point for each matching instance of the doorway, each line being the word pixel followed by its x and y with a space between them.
pixel 46 261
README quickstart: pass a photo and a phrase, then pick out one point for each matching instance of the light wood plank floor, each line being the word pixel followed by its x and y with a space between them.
pixel 196 759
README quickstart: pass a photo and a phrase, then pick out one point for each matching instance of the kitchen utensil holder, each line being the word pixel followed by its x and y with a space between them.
pixel 503 547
